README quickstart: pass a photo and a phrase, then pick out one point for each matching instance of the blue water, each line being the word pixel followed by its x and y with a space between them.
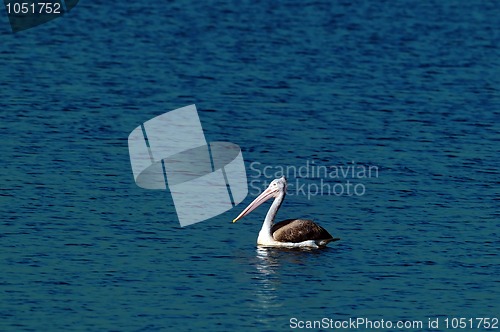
pixel 410 87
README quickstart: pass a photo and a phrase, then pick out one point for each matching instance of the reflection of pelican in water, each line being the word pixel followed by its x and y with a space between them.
pixel 272 266
pixel 266 262
pixel 290 232
pixel 267 282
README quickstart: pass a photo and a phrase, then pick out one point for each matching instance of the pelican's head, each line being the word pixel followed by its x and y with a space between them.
pixel 276 187
pixel 278 184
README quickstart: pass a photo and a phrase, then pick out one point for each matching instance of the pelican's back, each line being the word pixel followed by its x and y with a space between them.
pixel 300 230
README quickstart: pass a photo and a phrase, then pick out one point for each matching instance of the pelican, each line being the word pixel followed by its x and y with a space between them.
pixel 290 232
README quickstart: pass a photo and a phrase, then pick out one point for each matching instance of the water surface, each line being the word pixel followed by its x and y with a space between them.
pixel 409 87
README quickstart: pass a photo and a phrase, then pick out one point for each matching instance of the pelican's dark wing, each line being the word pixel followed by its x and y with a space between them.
pixel 299 230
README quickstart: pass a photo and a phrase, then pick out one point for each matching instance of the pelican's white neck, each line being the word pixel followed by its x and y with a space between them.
pixel 265 231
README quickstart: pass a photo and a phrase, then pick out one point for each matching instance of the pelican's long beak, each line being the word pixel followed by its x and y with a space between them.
pixel 264 196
